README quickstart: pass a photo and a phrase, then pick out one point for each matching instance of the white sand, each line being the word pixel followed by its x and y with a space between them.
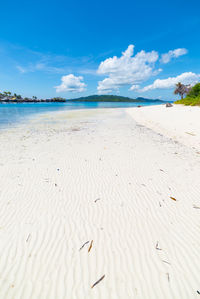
pixel 146 244
pixel 178 122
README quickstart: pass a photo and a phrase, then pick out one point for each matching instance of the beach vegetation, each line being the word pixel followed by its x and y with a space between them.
pixel 182 89
pixel 192 98
pixel 8 97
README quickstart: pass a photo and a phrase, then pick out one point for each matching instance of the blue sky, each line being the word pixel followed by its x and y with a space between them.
pixel 72 49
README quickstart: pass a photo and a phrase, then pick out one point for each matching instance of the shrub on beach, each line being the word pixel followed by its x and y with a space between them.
pixel 192 98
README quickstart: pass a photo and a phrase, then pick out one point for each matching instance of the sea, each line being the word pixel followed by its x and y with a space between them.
pixel 12 114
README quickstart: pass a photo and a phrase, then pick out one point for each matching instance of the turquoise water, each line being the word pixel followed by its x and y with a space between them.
pixel 12 114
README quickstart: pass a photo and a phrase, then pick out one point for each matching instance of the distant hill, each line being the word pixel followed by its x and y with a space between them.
pixel 112 98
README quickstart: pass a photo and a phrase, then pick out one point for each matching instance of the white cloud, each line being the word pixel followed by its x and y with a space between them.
pixel 185 78
pixel 134 87
pixel 71 83
pixel 127 69
pixel 21 69
pixel 165 58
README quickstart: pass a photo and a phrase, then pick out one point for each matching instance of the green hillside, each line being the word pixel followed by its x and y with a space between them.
pixel 111 98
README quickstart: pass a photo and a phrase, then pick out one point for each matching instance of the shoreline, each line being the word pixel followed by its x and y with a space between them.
pixel 72 177
pixel 16 116
pixel 181 123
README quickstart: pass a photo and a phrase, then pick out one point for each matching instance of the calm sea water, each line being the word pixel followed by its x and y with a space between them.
pixel 12 114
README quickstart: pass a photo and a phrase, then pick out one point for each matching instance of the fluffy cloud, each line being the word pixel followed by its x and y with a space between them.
pixel 134 87
pixel 71 83
pixel 127 69
pixel 165 58
pixel 185 78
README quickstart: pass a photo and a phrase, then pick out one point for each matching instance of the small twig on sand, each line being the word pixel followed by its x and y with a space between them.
pixel 166 262
pixel 198 292
pixel 157 246
pixel 190 133
pixel 28 238
pixel 90 246
pixel 195 207
pixel 97 199
pixel 173 198
pixel 97 281
pixel 84 245
pixel 168 277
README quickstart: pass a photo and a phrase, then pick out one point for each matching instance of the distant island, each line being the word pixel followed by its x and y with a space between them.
pixel 8 97
pixel 113 98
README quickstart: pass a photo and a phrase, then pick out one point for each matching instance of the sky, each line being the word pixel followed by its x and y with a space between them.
pixel 77 48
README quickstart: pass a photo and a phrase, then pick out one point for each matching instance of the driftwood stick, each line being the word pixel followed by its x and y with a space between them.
pixel 195 207
pixel 90 246
pixel 168 277
pixel 97 199
pixel 190 133
pixel 28 238
pixel 173 198
pixel 98 281
pixel 84 245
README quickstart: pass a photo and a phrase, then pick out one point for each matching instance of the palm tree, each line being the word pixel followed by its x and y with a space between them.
pixel 181 89
pixel 7 93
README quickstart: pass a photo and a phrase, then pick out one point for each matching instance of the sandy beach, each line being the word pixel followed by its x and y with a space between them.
pixel 106 195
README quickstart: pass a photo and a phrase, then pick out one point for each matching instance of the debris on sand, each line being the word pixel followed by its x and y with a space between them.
pixel 84 245
pixel 166 262
pixel 97 199
pixel 97 281
pixel 196 207
pixel 168 277
pixel 28 238
pixel 90 246
pixel 192 134
pixel 168 105
pixel 157 247
pixel 173 198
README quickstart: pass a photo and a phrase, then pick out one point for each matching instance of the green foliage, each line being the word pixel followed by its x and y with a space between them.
pixel 17 96
pixel 111 98
pixel 195 91
pixel 57 99
pixel 192 98
pixel 189 101
pixel 7 96
pixel 7 93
